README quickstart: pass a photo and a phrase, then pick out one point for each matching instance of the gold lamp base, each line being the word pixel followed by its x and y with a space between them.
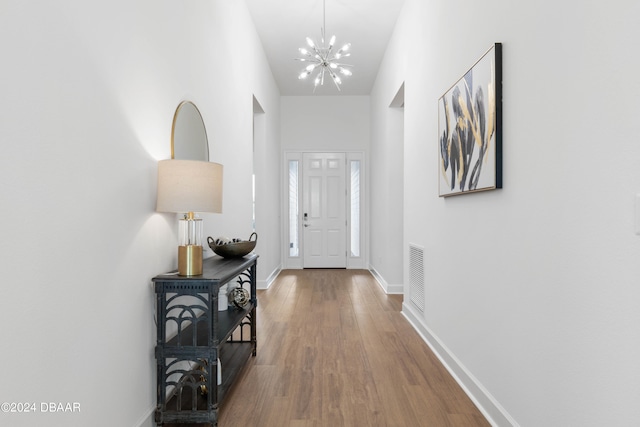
pixel 190 260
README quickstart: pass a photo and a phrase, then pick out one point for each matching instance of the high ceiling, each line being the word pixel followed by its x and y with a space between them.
pixel 283 26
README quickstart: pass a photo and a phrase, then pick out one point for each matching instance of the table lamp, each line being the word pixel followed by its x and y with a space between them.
pixel 187 187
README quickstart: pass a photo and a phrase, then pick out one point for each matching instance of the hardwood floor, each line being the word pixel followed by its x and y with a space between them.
pixel 334 350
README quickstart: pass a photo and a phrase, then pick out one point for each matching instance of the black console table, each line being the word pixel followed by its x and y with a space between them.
pixel 192 335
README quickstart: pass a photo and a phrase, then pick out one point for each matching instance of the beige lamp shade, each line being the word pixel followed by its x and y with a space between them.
pixel 189 186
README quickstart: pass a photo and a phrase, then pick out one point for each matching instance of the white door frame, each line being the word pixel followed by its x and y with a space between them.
pixel 292 257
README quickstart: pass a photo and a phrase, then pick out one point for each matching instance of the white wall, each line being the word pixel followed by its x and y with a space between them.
pixel 88 96
pixel 267 163
pixel 387 165
pixel 387 181
pixel 325 123
pixel 531 291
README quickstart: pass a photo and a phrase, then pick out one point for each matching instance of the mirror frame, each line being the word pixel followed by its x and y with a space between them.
pixel 176 116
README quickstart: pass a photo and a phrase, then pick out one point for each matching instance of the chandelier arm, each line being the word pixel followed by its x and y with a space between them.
pixel 308 61
pixel 329 49
pixel 335 81
pixel 317 80
pixel 335 58
pixel 341 64
pixel 317 51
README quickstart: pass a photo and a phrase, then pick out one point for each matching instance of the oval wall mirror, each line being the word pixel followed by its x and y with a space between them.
pixel 188 134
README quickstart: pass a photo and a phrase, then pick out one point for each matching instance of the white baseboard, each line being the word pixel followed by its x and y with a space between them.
pixel 386 287
pixel 486 403
pixel 264 284
pixel 148 419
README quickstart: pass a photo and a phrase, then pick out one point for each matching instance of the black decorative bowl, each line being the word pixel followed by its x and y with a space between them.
pixel 235 249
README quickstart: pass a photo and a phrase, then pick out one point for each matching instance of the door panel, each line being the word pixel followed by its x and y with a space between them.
pixel 324 210
pixel 334 240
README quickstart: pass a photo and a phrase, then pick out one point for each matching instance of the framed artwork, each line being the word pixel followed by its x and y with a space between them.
pixel 470 129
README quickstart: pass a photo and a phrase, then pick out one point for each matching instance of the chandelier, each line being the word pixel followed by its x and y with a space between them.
pixel 323 59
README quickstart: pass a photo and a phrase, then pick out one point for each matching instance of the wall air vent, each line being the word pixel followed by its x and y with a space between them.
pixel 416 276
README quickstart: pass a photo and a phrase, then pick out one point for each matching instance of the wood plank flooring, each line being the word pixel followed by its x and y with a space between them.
pixel 334 350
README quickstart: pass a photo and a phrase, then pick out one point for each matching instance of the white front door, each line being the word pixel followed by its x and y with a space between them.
pixel 324 218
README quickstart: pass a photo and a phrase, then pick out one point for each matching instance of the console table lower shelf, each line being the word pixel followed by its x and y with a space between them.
pixel 233 360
